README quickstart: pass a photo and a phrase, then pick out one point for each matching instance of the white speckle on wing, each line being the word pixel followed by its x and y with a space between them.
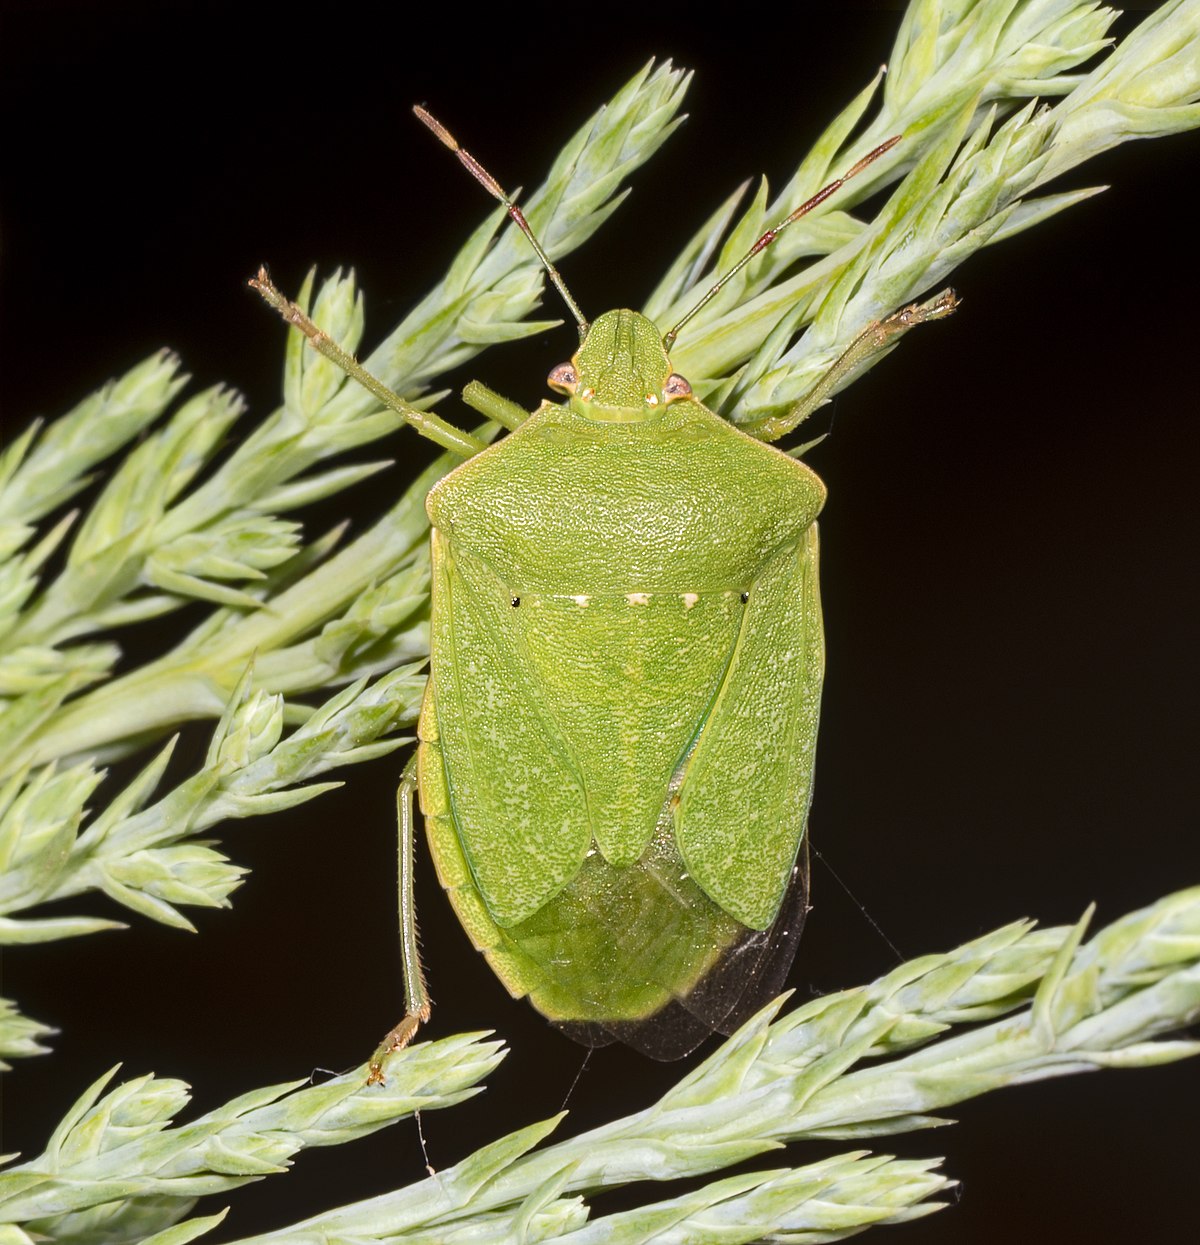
pixel 582 599
pixel 638 598
pixel 690 599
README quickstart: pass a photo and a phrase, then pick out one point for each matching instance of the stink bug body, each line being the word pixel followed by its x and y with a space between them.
pixel 616 779
pixel 617 739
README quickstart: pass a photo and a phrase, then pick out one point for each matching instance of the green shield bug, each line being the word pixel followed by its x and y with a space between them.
pixel 617 740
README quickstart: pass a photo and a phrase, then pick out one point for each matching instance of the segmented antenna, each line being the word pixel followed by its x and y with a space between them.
pixel 493 187
pixel 771 234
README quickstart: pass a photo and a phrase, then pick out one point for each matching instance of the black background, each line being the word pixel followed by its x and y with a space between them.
pixel 1009 550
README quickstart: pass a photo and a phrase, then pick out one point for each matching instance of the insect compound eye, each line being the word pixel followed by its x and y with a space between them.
pixel 676 387
pixel 563 378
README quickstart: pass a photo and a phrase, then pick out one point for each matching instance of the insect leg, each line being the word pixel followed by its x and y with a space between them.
pixel 425 422
pixel 416 996
pixel 493 405
pixel 877 337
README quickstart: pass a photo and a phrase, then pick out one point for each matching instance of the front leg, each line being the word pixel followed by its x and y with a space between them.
pixel 425 422
pixel 878 336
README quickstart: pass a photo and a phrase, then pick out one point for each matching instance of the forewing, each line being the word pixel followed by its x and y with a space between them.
pixel 514 788
pixel 747 786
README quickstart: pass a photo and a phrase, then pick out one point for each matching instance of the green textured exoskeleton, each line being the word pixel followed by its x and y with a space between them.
pixel 617 740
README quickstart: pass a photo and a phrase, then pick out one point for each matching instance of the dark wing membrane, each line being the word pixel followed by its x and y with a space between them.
pixel 749 972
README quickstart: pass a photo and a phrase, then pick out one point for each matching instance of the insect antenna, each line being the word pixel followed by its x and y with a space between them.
pixel 773 233
pixel 493 187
